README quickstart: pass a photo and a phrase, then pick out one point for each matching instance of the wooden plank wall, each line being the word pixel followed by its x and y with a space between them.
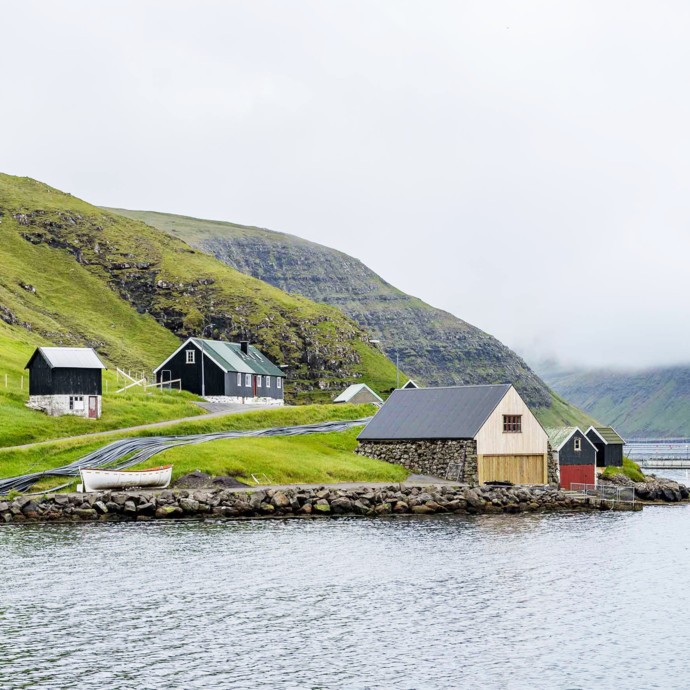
pixel 518 469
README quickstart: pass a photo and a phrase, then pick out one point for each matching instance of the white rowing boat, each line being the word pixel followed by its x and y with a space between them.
pixel 98 480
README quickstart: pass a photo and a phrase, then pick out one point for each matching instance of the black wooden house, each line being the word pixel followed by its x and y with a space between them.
pixel 66 380
pixel 223 372
pixel 609 445
pixel 576 456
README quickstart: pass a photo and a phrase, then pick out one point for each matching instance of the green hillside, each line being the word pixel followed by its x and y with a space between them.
pixel 435 347
pixel 71 273
pixel 649 403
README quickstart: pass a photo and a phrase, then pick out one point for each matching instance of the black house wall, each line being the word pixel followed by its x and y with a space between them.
pixel 190 374
pixel 46 381
pixel 569 456
pixel 217 381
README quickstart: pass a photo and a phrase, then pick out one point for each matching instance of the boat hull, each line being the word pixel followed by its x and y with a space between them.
pixel 99 480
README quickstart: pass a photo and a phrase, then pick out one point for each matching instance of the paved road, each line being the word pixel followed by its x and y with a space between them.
pixel 223 411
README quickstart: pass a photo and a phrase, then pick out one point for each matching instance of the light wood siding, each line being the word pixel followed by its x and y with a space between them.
pixel 532 440
pixel 518 469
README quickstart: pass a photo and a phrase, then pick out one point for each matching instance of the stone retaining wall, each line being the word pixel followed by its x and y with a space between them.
pixel 451 459
pixel 297 502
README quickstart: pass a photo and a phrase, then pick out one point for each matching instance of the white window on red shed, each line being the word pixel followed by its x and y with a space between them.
pixel 191 356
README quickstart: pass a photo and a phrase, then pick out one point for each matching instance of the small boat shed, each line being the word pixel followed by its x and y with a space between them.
pixel 576 456
pixel 358 393
pixel 609 445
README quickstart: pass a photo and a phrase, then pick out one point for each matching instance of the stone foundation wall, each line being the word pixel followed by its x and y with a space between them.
pixel 552 467
pixel 455 460
pixel 372 501
pixel 243 401
pixel 57 405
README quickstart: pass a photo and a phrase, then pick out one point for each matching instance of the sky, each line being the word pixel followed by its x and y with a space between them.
pixel 524 165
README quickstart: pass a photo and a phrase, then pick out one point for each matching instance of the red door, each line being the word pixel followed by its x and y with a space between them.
pixel 93 407
pixel 576 474
pixel 254 384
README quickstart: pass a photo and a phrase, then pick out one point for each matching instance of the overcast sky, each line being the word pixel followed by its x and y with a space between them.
pixel 524 165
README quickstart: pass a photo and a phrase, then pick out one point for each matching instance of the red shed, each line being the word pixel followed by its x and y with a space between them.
pixel 576 454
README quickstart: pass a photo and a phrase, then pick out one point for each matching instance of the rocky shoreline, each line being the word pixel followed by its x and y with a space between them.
pixel 653 490
pixel 296 502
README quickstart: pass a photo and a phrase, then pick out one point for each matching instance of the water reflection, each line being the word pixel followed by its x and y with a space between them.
pixel 548 601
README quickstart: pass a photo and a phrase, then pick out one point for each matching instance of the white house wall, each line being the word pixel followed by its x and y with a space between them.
pixel 492 440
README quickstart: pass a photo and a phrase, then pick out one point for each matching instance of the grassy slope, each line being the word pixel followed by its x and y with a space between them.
pixel 654 403
pixel 457 351
pixel 19 424
pixel 90 268
pixel 331 456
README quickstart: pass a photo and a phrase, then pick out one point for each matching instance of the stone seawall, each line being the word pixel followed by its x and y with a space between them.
pixel 297 502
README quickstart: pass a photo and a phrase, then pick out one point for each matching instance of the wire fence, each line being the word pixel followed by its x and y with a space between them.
pixel 616 494
pixel 128 452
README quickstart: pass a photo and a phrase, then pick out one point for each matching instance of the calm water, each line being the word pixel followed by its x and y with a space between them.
pixel 560 601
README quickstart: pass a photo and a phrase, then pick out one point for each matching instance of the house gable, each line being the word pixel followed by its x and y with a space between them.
pixel 492 440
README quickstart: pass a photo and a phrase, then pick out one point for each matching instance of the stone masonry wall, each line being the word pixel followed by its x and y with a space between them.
pixel 372 501
pixel 455 460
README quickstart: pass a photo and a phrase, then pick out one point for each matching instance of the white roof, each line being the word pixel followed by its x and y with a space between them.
pixel 71 357
pixel 352 390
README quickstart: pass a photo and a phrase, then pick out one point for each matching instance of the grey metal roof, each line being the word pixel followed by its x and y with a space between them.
pixel 352 390
pixel 69 358
pixel 434 413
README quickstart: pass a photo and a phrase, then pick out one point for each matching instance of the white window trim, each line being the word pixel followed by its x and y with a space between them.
pixel 279 382
pixel 247 380
pixel 258 381
pixel 239 378
pixel 577 444
pixel 190 356
pixel 268 382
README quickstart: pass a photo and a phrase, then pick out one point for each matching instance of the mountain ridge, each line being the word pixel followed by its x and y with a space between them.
pixel 433 345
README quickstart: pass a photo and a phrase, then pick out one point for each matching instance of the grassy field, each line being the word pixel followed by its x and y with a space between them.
pixel 313 459
pixel 336 457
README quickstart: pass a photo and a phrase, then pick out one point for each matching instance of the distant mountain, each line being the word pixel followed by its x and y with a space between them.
pixel 434 346
pixel 652 403
pixel 72 273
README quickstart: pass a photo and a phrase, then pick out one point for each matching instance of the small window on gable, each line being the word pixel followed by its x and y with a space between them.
pixel 512 423
pixel 268 382
pixel 248 380
pixel 191 356
pixel 239 379
pixel 279 382
pixel 578 444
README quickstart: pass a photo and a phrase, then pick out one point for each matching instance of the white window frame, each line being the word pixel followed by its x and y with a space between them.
pixel 76 402
pixel 239 378
pixel 577 444
pixel 279 382
pixel 190 356
pixel 268 381
pixel 258 381
pixel 247 380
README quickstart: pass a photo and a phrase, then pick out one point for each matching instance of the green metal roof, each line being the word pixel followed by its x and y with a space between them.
pixel 608 434
pixel 230 357
pixel 558 436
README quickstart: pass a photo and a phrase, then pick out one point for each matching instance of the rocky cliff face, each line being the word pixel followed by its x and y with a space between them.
pixel 433 346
